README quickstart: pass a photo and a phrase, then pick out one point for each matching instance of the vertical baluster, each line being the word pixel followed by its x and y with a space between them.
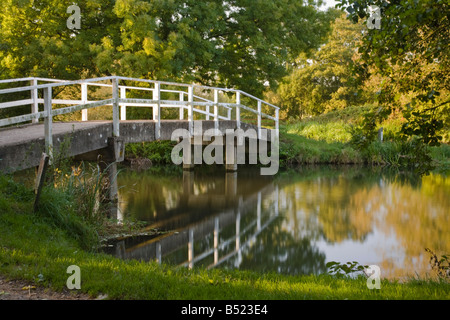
pixel 48 123
pixel 157 110
pixel 115 95
pixel 123 106
pixel 84 99
pixel 238 110
pixel 259 119
pixel 182 106
pixel 191 109
pixel 34 97
pixel 216 109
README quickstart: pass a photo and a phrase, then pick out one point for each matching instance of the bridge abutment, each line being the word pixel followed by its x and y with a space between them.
pixel 107 159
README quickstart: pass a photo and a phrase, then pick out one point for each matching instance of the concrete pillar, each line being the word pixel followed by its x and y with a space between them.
pixel 109 194
pixel 231 157
pixel 107 159
pixel 188 159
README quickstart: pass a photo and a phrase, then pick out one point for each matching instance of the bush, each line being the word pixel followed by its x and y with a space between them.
pixel 158 152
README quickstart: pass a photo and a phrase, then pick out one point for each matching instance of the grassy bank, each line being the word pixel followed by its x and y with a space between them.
pixel 327 139
pixel 39 248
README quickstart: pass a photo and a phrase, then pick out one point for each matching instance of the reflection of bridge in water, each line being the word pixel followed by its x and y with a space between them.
pixel 232 225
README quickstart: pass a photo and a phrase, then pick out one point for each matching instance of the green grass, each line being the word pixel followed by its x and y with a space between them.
pixel 37 248
pixel 298 149
pixel 326 139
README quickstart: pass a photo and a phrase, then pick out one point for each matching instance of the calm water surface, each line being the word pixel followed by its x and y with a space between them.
pixel 293 223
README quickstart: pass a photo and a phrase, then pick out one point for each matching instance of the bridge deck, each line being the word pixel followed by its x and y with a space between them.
pixel 21 147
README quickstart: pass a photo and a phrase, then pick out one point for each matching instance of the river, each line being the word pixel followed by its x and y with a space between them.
pixel 292 223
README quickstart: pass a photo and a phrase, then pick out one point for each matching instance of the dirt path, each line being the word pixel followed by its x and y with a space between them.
pixel 23 290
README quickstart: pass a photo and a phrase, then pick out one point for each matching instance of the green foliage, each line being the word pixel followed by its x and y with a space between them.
pixel 12 192
pixel 363 134
pixel 35 41
pixel 424 125
pixel 158 152
pixel 440 265
pixel 348 269
pixel 409 52
pixel 412 154
pixel 57 209
pixel 297 149
pixel 241 44
pixel 325 81
pixel 330 132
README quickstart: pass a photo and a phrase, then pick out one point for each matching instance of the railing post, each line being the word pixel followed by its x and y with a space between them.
pixel 84 100
pixel 191 109
pixel 157 110
pixel 182 106
pixel 238 110
pixel 34 97
pixel 115 95
pixel 48 123
pixel 216 109
pixel 259 119
pixel 277 121
pixel 123 108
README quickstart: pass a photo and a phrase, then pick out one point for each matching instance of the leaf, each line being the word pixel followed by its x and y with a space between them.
pixel 331 263
pixel 28 287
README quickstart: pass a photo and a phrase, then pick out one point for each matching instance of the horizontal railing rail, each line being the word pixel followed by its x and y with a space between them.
pixel 187 99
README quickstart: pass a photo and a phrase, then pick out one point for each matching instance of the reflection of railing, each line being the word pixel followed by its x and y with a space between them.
pixel 239 247
pixel 234 206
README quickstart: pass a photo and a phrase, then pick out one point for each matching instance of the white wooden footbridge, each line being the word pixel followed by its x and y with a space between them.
pixel 25 136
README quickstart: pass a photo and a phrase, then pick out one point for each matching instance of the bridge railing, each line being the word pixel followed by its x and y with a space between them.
pixel 186 100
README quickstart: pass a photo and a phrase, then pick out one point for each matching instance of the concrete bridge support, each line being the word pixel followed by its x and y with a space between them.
pixel 107 159
pixel 228 155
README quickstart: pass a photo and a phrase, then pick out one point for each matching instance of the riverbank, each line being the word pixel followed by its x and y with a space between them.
pixel 38 248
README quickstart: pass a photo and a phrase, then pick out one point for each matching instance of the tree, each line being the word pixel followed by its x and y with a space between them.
pixel 410 49
pixel 235 43
pixel 35 40
pixel 325 81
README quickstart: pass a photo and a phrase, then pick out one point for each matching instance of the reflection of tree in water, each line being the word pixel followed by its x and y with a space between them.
pixel 321 203
pixel 343 205
pixel 147 194
pixel 276 250
pixel 338 204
